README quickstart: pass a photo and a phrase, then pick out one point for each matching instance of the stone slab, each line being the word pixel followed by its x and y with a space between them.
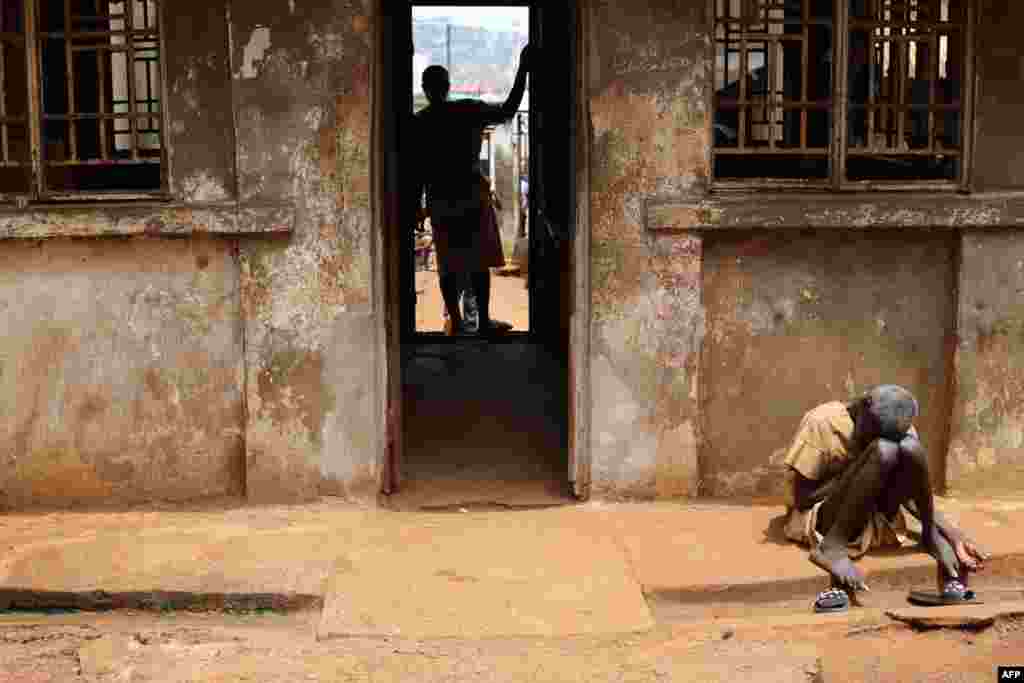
pixel 958 616
pixel 485 575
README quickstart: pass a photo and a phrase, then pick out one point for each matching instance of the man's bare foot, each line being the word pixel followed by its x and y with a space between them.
pixel 836 561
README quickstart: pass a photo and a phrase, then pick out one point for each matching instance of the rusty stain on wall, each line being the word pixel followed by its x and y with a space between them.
pixel 650 137
pixel 199 117
pixel 269 138
pixel 797 319
pixel 301 92
pixel 987 447
pixel 122 372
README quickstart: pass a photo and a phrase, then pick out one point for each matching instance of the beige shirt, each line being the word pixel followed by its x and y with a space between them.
pixel 821 450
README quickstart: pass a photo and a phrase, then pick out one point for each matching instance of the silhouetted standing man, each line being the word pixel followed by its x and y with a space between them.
pixel 448 135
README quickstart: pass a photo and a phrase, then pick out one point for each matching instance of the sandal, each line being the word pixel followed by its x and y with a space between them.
pixel 954 592
pixel 495 328
pixel 832 600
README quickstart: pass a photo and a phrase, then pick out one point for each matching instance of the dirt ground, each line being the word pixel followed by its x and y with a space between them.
pixel 509 302
pixel 778 643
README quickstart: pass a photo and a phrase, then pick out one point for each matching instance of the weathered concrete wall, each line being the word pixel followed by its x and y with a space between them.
pixel 201 141
pixel 799 318
pixel 301 86
pixel 120 371
pixel 1000 102
pixel 986 453
pixel 650 135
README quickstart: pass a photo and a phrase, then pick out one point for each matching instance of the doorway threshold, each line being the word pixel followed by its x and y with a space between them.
pixel 465 495
pixel 515 336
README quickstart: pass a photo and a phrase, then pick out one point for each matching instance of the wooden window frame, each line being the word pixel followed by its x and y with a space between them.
pixel 837 180
pixel 37 168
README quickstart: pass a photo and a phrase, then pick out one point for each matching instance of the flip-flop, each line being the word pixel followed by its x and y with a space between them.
pixel 953 593
pixel 497 328
pixel 832 600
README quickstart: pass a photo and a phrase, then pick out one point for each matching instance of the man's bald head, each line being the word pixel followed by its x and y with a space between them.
pixel 892 409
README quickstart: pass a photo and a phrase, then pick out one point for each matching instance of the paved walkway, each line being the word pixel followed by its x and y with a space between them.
pixel 580 569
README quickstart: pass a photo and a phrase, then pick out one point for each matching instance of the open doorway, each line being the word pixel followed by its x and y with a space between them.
pixel 474 420
pixel 479 47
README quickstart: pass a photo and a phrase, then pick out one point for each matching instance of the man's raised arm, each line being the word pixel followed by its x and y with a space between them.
pixel 506 111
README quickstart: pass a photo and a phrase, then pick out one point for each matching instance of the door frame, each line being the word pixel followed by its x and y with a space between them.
pixel 386 236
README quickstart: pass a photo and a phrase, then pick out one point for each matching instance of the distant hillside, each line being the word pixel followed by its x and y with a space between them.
pixel 483 61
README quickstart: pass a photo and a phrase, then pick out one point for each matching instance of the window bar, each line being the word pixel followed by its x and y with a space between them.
pixel 165 165
pixel 805 48
pixel 741 135
pixel 69 68
pixel 840 92
pixel 34 90
pixel 902 64
pixel 933 82
pixel 129 24
pixel 770 94
pixel 967 94
pixel 870 112
pixel 101 70
pixel 3 104
pixel 147 65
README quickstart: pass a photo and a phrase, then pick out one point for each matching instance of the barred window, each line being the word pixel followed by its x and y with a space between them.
pixel 840 92
pixel 80 98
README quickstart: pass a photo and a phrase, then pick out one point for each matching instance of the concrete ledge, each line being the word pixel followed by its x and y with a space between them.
pixel 95 601
pixel 957 616
pixel 170 219
pixel 861 210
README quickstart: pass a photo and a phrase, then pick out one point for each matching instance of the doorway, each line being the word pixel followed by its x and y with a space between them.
pixel 472 421
pixel 479 47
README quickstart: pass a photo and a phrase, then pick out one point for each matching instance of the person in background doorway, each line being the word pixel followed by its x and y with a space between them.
pixel 448 136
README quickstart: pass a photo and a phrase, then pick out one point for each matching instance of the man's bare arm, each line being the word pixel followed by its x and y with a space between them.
pixel 810 491
pixel 495 115
pixel 967 551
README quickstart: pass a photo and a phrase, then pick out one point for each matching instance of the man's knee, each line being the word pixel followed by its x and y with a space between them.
pixel 913 452
pixel 887 453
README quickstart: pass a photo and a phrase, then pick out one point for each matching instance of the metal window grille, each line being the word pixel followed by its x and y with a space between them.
pixel 86 109
pixel 840 92
pixel 772 84
pixel 905 109
pixel 15 147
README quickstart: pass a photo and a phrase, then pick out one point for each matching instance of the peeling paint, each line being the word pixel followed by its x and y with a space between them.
pixel 987 438
pixel 304 138
pixel 127 388
pixel 255 52
pixel 650 140
pixel 793 321
pixel 203 187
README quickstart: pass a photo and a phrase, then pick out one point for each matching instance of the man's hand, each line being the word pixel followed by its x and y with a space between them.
pixel 526 57
pixel 969 554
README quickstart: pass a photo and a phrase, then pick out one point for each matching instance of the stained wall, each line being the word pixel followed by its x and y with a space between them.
pixel 646 100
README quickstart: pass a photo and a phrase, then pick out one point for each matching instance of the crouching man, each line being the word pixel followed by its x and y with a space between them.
pixel 853 470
